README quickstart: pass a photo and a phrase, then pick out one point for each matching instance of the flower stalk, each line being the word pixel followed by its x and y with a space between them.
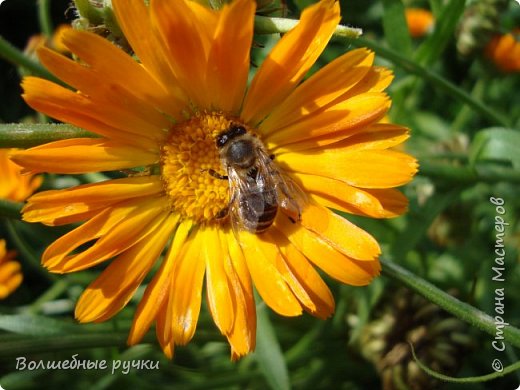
pixel 44 17
pixel 24 135
pixel 11 54
pixel 460 309
pixel 274 25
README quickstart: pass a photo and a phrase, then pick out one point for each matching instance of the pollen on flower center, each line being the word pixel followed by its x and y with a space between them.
pixel 187 157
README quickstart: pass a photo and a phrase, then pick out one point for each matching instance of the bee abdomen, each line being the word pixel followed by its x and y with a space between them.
pixel 257 213
pixel 265 220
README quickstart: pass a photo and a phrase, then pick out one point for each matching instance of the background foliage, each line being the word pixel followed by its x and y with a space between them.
pixel 465 121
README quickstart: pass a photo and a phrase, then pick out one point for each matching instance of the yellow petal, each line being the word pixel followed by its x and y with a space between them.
pixel 186 292
pixel 206 18
pixel 3 250
pixel 111 120
pixel 82 155
pixel 56 206
pixel 156 295
pixel 109 93
pixel 10 277
pixel 94 50
pixel 290 59
pixel 379 136
pixel 376 136
pixel 377 79
pixel 261 257
pixel 186 42
pixel 228 63
pixel 326 257
pixel 242 336
pixel 346 117
pixel 303 279
pixel 167 344
pixel 218 289
pixel 8 269
pixel 394 202
pixel 112 290
pixel 341 234
pixel 115 229
pixel 133 17
pixel 383 203
pixel 320 89
pixel 14 185
pixel 364 168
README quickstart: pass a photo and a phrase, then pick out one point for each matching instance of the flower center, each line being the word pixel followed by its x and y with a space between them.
pixel 187 158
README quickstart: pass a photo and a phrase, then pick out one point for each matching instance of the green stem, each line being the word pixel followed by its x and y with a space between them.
pixel 452 305
pixel 271 25
pixel 464 115
pixel 26 251
pixel 468 175
pixel 44 17
pixel 52 293
pixel 21 135
pixel 10 209
pixel 17 57
pixel 476 379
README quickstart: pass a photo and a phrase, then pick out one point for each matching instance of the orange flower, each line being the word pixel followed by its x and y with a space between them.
pixel 13 185
pixel 174 113
pixel 420 21
pixel 10 271
pixel 39 40
pixel 504 52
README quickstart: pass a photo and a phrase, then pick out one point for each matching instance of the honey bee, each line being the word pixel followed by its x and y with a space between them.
pixel 257 187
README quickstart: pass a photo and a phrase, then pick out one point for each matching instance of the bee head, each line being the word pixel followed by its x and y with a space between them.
pixel 232 132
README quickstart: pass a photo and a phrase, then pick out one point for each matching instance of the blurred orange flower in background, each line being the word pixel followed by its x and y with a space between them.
pixel 420 21
pixel 504 52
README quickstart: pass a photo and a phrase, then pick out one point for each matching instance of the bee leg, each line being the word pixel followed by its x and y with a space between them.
pixel 222 213
pixel 215 174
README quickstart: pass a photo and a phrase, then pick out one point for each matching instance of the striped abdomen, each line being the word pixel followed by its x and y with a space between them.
pixel 258 210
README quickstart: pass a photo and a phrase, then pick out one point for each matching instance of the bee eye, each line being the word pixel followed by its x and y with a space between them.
pixel 235 131
pixel 222 139
pixel 232 132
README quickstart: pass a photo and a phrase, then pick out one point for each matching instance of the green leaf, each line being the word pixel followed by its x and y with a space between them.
pixel 396 30
pixel 10 209
pixel 436 6
pixel 36 325
pixel 495 144
pixel 29 345
pixel 445 25
pixel 269 354
pixel 420 220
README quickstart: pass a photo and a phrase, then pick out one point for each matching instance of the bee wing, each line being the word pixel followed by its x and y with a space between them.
pixel 290 197
pixel 236 185
pixel 247 200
